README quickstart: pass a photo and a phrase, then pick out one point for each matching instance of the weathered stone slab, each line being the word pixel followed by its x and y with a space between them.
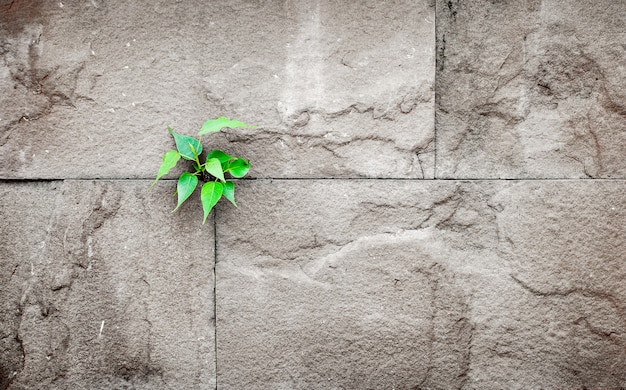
pixel 531 89
pixel 566 245
pixel 339 89
pixel 22 232
pixel 408 284
pixel 102 287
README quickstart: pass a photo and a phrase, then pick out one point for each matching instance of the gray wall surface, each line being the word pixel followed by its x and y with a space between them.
pixel 436 200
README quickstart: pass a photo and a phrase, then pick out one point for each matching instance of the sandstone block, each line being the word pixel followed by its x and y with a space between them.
pixel 564 327
pixel 531 89
pixel 104 288
pixel 396 284
pixel 23 230
pixel 87 89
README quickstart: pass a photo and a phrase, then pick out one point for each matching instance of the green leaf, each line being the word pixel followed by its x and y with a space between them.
pixel 210 194
pixel 186 184
pixel 169 161
pixel 238 168
pixel 188 147
pixel 229 192
pixel 214 167
pixel 223 157
pixel 218 124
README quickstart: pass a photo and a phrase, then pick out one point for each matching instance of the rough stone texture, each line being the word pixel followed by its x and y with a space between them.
pixel 563 318
pixel 102 288
pixel 23 230
pixel 341 268
pixel 328 284
pixel 531 89
pixel 340 89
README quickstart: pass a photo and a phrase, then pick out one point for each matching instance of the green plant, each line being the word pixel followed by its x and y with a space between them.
pixel 212 171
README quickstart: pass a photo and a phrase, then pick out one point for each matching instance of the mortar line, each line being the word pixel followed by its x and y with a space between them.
pixel 426 180
pixel 435 98
pixel 215 292
pixel 27 180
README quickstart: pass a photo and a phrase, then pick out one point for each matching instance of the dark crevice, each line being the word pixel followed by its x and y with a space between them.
pixel 10 375
pixel 19 180
pixel 443 179
pixel 215 292
pixel 440 58
pixel 435 92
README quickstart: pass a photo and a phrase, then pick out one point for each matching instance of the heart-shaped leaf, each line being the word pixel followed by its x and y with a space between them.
pixel 218 124
pixel 169 161
pixel 223 157
pixel 238 168
pixel 210 194
pixel 214 167
pixel 229 192
pixel 188 147
pixel 186 184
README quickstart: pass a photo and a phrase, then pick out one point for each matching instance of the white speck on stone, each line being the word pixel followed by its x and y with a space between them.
pixel 89 247
pixel 133 104
pixel 127 44
pixel 60 5
pixel 126 67
pixel 123 94
pixel 93 53
pixel 276 76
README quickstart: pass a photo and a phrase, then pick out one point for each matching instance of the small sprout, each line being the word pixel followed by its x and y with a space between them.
pixel 215 166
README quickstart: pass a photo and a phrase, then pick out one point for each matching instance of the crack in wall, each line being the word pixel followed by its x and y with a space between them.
pixel 612 300
pixel 215 346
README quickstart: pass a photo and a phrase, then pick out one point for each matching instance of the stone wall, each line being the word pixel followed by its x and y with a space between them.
pixel 436 197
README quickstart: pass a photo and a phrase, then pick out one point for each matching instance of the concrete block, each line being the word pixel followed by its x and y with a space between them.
pixel 104 288
pixel 87 89
pixel 408 284
pixel 531 89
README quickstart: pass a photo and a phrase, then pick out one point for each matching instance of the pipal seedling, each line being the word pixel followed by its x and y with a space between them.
pixel 213 171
